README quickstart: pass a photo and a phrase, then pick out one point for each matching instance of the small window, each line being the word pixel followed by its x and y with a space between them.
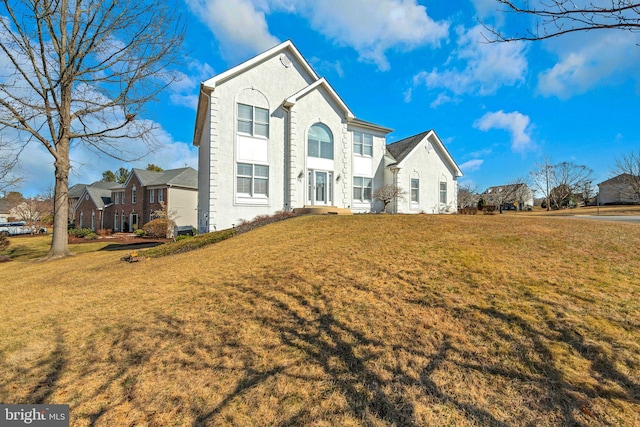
pixel 252 180
pixel 415 190
pixel 362 189
pixel 152 193
pixel 443 192
pixel 115 221
pixel 133 195
pixel 362 144
pixel 160 195
pixel 117 198
pixel 253 120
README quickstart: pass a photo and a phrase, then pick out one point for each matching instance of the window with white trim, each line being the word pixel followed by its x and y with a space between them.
pixel 362 144
pixel 443 192
pixel 415 190
pixel 253 120
pixel 115 221
pixel 362 189
pixel 160 195
pixel 152 193
pixel 133 194
pixel 320 142
pixel 252 180
pixel 116 198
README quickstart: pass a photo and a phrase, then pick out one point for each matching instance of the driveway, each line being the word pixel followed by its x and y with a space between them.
pixel 618 218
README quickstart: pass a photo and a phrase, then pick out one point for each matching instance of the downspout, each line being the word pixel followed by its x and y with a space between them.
pixel 208 209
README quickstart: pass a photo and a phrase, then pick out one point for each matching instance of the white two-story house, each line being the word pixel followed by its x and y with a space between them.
pixel 273 135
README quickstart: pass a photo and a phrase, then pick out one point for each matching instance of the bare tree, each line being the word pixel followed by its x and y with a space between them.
pixel 554 18
pixel 81 72
pixel 467 195
pixel 628 166
pixel 560 181
pixel 509 194
pixel 387 194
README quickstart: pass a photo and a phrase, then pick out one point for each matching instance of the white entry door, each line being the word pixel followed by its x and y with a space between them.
pixel 320 188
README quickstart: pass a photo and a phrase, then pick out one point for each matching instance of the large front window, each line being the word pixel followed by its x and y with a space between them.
pixel 362 189
pixel 253 120
pixel 252 180
pixel 320 142
pixel 362 144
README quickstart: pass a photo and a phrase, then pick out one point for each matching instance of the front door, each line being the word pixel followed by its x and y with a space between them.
pixel 320 188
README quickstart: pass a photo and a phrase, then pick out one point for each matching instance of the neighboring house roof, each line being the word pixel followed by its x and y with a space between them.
pixel 402 149
pixel 76 190
pixel 624 178
pixel 182 177
pixel 504 188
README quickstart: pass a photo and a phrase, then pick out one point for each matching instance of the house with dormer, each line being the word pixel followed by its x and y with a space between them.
pixel 273 135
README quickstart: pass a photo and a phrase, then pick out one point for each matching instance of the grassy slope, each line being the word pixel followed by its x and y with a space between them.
pixel 362 320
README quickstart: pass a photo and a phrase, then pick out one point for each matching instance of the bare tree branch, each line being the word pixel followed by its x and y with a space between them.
pixel 554 18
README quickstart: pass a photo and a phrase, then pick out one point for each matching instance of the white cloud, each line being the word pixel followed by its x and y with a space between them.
pixel 184 89
pixel 371 29
pixel 240 27
pixel 589 60
pixel 485 67
pixel 517 124
pixel 471 165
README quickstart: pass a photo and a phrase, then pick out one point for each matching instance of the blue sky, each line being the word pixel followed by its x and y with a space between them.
pixel 411 66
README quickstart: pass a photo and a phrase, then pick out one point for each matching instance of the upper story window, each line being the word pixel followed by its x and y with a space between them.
pixel 363 144
pixel 320 142
pixel 133 194
pixel 117 198
pixel 152 193
pixel 160 195
pixel 253 120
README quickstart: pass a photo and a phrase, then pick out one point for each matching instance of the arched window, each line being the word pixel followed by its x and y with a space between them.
pixel 320 142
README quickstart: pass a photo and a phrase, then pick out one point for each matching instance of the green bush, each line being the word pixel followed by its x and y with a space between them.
pixel 80 232
pixel 139 232
pixel 90 236
pixel 183 237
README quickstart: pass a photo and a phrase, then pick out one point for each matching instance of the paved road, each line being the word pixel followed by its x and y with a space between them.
pixel 619 218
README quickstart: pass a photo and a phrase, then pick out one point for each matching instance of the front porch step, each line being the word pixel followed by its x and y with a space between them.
pixel 322 210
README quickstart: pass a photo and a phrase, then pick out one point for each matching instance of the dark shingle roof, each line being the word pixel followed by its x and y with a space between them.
pixel 100 196
pixel 182 177
pixel 401 149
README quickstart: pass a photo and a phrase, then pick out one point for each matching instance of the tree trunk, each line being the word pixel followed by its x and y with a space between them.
pixel 60 243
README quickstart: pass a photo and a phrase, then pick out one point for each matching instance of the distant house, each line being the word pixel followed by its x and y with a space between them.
pixel 509 197
pixel 75 192
pixel 4 211
pixel 127 207
pixel 619 190
pixel 89 209
pixel 273 135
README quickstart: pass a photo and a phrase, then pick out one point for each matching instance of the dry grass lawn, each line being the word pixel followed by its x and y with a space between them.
pixel 337 320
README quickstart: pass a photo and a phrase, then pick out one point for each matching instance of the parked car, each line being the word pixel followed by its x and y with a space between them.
pixel 17 228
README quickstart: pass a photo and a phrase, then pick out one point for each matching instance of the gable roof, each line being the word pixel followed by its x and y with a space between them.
pixel 210 84
pixel 402 149
pixel 624 178
pixel 290 101
pixel 507 188
pixel 182 177
pixel 99 193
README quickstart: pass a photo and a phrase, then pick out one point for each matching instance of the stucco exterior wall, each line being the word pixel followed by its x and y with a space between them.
pixel 427 164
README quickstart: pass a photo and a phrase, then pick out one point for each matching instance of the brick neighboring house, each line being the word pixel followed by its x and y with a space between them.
pixel 90 208
pixel 74 195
